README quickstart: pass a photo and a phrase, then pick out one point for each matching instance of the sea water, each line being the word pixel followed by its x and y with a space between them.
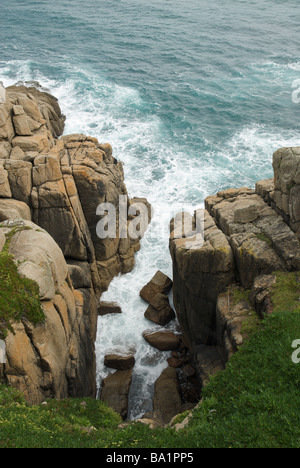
pixel 194 98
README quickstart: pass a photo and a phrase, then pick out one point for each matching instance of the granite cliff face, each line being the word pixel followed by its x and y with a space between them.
pixel 50 189
pixel 220 286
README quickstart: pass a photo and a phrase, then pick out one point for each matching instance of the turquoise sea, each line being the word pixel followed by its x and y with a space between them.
pixel 193 96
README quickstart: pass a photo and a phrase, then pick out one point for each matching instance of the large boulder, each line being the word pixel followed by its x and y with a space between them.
pixel 159 284
pixel 106 308
pixel 53 358
pixel 119 362
pixel 39 257
pixel 164 340
pixel 167 400
pixel 13 209
pixel 159 310
pixel 115 391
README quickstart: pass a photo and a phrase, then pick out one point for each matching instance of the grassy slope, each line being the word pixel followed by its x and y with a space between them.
pixel 253 403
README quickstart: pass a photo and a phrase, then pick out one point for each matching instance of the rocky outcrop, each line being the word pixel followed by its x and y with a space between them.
pixel 58 184
pixel 222 284
pixel 54 358
pixel 282 192
pixel 199 276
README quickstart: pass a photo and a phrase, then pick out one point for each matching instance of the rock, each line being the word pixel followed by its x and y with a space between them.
pixel 109 308
pixel 118 362
pixel 13 209
pixel 233 311
pixel 163 340
pixel 5 191
pixel 261 294
pixel 2 241
pixel 176 362
pixel 52 359
pixel 39 143
pixel 264 188
pixel 21 123
pixel 64 181
pixel 254 256
pixel 159 310
pixel 18 154
pixel 20 179
pixel 40 257
pixel 46 169
pixel 80 274
pixel 160 284
pixel 167 400
pixel 285 197
pixel 200 275
pixel 5 149
pixel 246 212
pixel 208 363
pixel 40 107
pixel 115 391
pixel 149 422
pixel 143 201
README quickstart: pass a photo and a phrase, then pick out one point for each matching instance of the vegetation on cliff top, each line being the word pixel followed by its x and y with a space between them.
pixel 253 403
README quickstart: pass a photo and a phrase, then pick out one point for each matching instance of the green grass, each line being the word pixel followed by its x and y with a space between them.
pixel 239 294
pixel 264 238
pixel 250 322
pixel 253 403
